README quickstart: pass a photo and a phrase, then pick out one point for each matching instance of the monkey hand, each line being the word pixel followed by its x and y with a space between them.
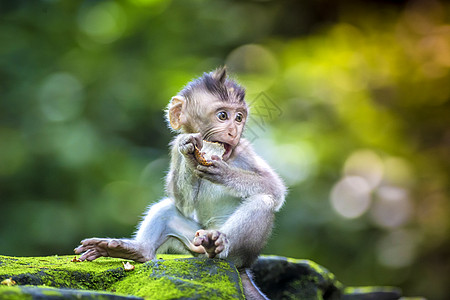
pixel 213 241
pixel 187 144
pixel 217 172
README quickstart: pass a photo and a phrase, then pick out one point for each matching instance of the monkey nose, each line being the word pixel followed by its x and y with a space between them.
pixel 232 132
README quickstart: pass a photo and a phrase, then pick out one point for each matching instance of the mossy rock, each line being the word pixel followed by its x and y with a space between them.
pixel 32 293
pixel 287 278
pixel 373 293
pixel 172 277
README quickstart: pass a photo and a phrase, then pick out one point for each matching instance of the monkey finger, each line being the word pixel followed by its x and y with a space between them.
pixel 199 240
pixel 198 140
pixel 204 170
pixel 222 240
pixel 93 255
pixel 218 242
pixel 83 248
pixel 219 248
pixel 208 169
pixel 87 255
pixel 200 174
pixel 219 165
pixel 204 242
pixel 196 249
pixel 190 148
pixel 208 176
pixel 79 249
pixel 90 241
pixel 200 232
pixel 214 235
pixel 187 149
pixel 216 158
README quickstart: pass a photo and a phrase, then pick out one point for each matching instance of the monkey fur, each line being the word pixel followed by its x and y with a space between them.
pixel 223 209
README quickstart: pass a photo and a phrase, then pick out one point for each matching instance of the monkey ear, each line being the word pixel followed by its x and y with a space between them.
pixel 175 111
pixel 220 74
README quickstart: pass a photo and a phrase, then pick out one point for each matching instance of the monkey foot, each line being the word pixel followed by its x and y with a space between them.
pixel 213 241
pixel 95 248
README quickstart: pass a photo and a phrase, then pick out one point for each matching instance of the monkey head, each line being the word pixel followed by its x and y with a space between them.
pixel 212 105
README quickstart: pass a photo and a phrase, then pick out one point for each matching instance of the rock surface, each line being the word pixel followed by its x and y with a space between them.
pixel 172 277
pixel 286 278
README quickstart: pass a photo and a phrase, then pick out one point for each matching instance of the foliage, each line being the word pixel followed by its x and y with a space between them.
pixel 350 104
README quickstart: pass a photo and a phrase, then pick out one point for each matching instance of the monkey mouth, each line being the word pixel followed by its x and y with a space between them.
pixel 228 149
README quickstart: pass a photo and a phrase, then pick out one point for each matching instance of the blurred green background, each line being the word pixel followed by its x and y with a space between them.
pixel 350 105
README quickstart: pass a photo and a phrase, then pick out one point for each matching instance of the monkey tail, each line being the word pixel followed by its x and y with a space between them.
pixel 251 291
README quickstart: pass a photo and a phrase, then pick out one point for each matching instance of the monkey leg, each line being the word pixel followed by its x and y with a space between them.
pixel 163 220
pixel 247 230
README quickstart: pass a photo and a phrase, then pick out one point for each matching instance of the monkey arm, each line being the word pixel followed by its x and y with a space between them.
pixel 246 174
pixel 264 182
pixel 246 183
pixel 248 227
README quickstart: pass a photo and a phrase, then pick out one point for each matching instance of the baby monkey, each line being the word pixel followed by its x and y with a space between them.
pixel 221 209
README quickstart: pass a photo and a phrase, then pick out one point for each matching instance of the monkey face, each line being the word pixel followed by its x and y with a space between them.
pixel 226 123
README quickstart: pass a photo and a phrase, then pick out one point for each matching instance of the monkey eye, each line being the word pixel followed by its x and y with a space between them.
pixel 239 117
pixel 222 115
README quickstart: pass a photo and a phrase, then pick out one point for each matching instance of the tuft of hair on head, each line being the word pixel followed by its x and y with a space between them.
pixel 220 74
pixel 216 83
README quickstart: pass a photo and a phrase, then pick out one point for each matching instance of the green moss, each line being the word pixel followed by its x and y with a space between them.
pixel 369 289
pixel 40 292
pixel 169 276
pixel 13 293
pixel 150 288
pixel 17 265
pixel 186 277
pixel 54 293
pixel 318 269
pixel 60 271
pixel 302 289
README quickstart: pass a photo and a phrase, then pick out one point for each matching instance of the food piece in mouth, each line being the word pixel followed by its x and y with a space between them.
pixel 208 150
